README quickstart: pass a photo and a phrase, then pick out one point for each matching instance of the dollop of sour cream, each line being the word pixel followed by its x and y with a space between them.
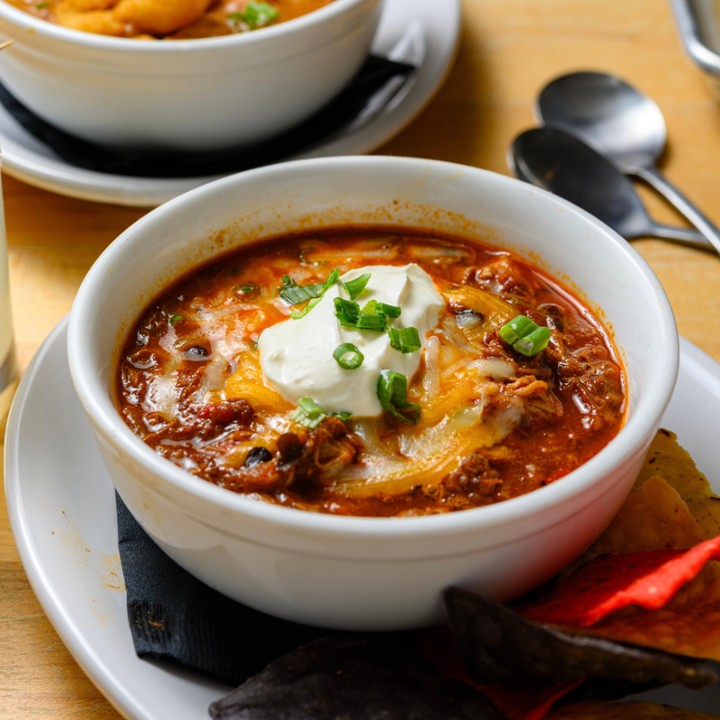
pixel 296 355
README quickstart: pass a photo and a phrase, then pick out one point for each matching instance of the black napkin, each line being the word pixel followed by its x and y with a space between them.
pixel 175 617
pixel 280 669
pixel 360 96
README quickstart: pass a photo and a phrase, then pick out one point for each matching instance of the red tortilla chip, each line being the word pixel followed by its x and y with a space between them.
pixel 612 582
pixel 689 624
pixel 517 702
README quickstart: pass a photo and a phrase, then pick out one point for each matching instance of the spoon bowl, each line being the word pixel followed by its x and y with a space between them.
pixel 607 113
pixel 563 164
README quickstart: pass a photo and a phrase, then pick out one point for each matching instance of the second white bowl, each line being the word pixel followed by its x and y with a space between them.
pixel 192 95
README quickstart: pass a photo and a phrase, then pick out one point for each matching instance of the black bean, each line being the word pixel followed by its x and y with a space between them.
pixel 257 455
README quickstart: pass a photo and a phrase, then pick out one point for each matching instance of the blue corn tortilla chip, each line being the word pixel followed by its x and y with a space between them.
pixel 363 677
pixel 498 644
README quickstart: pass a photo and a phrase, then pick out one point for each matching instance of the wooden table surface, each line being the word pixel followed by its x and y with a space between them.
pixel 508 50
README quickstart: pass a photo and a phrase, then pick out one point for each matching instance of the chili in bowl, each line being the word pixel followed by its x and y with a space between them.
pixel 333 388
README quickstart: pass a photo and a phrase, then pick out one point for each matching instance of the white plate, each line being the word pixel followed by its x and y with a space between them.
pixel 427 31
pixel 62 512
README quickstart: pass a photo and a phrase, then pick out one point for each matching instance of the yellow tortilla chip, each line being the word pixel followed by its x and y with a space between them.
pixel 624 711
pixel 654 517
pixel 673 463
pixel 671 506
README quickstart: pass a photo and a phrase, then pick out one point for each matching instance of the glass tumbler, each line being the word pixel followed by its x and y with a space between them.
pixel 8 364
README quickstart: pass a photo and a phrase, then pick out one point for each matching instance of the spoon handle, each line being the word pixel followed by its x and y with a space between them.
pixel 683 236
pixel 692 213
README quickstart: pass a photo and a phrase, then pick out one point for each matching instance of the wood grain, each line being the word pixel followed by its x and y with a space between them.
pixel 508 50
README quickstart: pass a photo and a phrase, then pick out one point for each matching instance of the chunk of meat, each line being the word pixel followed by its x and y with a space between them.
pixel 302 457
pixel 540 404
pixel 501 277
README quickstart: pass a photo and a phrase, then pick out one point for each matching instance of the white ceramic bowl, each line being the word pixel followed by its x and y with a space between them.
pixel 355 572
pixel 193 95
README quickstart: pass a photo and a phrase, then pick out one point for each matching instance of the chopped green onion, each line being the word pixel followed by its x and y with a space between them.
pixel 175 319
pixel 255 15
pixel 310 414
pixel 348 356
pixel 309 406
pixel 406 340
pixel 346 311
pixel 517 328
pixel 525 336
pixel 534 343
pixel 332 278
pixel 380 308
pixel 371 321
pixel 392 394
pixel 294 294
pixel 246 289
pixel 355 286
pixel 373 316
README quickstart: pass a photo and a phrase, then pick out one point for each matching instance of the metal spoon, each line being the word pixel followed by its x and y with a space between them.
pixel 557 161
pixel 621 123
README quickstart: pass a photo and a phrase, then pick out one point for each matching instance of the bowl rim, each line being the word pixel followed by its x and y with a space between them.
pixel 122 45
pixel 633 437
